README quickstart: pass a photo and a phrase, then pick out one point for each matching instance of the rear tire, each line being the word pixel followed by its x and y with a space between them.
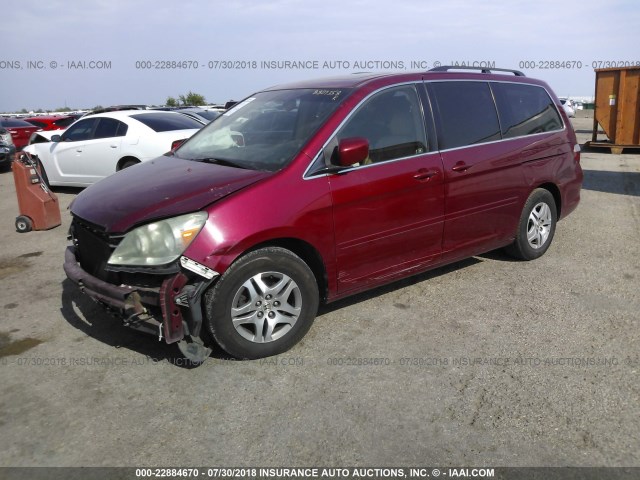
pixel 536 228
pixel 263 304
pixel 128 163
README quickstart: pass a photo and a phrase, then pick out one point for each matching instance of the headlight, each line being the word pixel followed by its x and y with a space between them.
pixel 158 243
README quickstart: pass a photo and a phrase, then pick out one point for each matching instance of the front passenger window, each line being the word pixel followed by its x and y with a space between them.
pixel 392 123
pixel 82 130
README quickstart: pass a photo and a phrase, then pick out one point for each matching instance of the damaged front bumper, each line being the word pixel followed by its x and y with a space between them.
pixel 172 311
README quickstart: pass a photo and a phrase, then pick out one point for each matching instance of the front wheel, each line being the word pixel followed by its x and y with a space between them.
pixel 263 304
pixel 537 226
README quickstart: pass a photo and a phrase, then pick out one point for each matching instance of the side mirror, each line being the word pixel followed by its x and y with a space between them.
pixel 352 150
pixel 56 138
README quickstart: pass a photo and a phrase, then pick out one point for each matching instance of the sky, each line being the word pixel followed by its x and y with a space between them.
pixel 84 53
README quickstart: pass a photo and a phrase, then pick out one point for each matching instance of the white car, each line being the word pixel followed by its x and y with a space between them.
pixel 568 107
pixel 98 145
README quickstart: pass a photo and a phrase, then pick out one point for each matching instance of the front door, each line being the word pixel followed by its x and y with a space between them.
pixel 388 210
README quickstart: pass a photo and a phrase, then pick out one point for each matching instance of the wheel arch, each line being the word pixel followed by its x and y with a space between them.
pixel 307 252
pixel 553 189
pixel 125 159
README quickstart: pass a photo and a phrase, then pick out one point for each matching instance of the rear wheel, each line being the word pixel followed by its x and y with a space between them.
pixel 537 226
pixel 130 162
pixel 263 304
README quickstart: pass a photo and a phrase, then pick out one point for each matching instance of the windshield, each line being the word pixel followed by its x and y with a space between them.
pixel 265 131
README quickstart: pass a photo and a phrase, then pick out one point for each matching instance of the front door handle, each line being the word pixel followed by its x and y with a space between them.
pixel 424 174
pixel 460 167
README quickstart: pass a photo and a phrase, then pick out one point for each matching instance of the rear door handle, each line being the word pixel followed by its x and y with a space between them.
pixel 424 174
pixel 113 146
pixel 460 167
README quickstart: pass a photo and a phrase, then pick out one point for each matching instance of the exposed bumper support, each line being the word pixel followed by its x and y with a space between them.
pixel 177 304
pixel 102 291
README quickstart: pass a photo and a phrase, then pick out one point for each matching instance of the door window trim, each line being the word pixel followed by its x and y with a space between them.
pixel 431 148
pixel 437 126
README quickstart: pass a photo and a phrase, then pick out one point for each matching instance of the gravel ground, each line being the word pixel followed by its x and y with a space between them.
pixel 485 362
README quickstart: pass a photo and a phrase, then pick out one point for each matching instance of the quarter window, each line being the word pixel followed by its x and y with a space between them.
pixel 467 113
pixel 525 110
pixel 391 121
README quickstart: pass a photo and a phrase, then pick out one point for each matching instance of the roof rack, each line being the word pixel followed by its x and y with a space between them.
pixel 446 68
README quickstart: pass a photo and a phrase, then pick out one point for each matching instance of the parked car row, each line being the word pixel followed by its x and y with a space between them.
pixel 52 122
pixel 7 148
pixel 568 106
pixel 20 131
pixel 203 115
pixel 100 144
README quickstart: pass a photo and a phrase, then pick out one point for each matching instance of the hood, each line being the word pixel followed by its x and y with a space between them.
pixel 160 188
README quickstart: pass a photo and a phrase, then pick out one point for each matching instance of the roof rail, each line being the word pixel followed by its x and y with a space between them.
pixel 446 68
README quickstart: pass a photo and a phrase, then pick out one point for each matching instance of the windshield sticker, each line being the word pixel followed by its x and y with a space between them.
pixel 329 93
pixel 237 107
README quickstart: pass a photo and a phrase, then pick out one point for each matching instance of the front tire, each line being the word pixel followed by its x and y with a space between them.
pixel 536 228
pixel 263 304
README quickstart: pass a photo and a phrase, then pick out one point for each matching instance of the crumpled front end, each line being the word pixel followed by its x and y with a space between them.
pixel 163 301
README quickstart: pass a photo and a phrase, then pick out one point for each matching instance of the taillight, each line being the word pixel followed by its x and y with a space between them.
pixel 576 152
pixel 176 143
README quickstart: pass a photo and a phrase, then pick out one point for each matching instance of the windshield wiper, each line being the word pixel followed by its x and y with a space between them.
pixel 222 161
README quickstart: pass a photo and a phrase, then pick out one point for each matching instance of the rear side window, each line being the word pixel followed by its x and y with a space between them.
pixel 64 122
pixel 109 127
pixel 14 123
pixel 36 123
pixel 166 121
pixel 467 113
pixel 525 109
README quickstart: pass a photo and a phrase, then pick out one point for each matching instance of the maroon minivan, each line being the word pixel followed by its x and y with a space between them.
pixel 310 192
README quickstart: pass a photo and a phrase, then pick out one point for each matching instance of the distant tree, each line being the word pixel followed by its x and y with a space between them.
pixel 24 110
pixel 195 99
pixel 39 111
pixel 188 100
pixel 98 107
pixel 63 109
pixel 171 102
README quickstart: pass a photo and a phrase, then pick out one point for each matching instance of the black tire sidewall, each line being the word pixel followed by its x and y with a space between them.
pixel 220 297
pixel 27 222
pixel 526 251
pixel 128 163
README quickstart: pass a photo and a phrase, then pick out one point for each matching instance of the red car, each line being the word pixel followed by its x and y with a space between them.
pixel 51 122
pixel 311 192
pixel 20 131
